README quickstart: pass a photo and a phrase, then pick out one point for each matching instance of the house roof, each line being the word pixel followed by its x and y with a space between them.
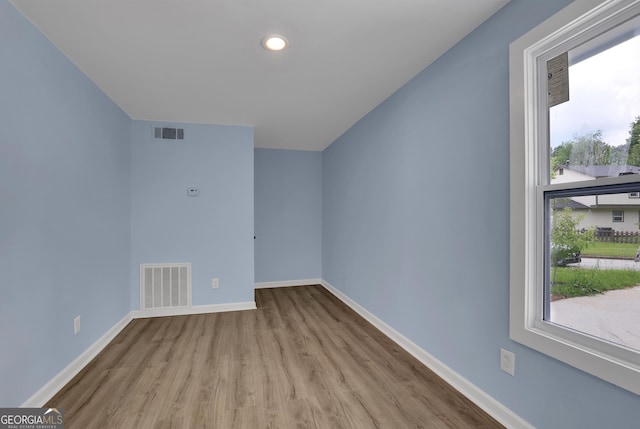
pixel 602 170
pixel 569 203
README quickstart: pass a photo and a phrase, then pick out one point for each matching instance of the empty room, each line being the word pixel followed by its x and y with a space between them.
pixel 342 214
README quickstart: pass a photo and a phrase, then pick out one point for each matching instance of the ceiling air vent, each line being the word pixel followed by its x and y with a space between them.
pixel 168 133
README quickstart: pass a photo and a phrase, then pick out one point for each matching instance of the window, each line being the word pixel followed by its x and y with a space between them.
pixel 634 194
pixel 558 71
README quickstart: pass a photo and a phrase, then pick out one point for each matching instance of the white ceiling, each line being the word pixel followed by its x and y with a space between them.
pixel 201 60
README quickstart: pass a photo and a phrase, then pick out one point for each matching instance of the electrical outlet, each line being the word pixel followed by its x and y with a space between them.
pixel 215 283
pixel 76 325
pixel 507 361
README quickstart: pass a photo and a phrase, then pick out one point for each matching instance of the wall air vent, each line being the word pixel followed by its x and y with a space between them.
pixel 161 133
pixel 165 286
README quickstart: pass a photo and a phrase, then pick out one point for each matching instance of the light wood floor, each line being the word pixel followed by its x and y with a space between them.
pixel 302 360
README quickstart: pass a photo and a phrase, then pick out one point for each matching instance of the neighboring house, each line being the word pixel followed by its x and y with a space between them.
pixel 621 212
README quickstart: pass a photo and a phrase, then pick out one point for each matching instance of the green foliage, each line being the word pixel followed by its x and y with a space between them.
pixel 635 131
pixel 581 282
pixel 590 149
pixel 561 154
pixel 606 248
pixel 634 156
pixel 586 149
pixel 571 282
pixel 565 237
pixel 619 155
pixel 634 143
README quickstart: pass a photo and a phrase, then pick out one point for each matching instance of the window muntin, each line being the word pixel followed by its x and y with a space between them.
pixel 583 29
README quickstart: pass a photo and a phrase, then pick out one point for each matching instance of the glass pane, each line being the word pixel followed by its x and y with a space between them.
pixel 597 132
pixel 592 269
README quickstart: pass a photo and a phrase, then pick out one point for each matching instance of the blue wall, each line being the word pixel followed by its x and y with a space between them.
pixel 214 232
pixel 416 227
pixel 64 210
pixel 288 215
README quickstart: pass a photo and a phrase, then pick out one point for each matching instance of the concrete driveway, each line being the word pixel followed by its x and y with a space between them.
pixel 613 316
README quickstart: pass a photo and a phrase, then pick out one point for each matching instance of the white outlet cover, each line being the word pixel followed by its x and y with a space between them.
pixel 507 361
pixel 76 325
pixel 215 283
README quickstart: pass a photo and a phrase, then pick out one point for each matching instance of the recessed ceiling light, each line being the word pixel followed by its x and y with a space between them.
pixel 274 42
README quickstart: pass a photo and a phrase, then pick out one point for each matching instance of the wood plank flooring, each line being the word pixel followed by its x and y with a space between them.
pixel 302 360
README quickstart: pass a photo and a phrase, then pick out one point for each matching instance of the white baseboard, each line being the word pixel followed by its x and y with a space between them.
pixel 196 309
pixel 63 377
pixel 490 405
pixel 288 283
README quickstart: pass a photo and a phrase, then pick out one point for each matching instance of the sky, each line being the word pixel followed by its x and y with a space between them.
pixel 604 93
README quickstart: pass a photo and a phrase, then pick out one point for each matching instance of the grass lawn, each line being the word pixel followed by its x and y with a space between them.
pixel 602 248
pixel 570 281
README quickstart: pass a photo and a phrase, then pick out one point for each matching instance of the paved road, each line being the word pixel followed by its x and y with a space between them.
pixel 608 264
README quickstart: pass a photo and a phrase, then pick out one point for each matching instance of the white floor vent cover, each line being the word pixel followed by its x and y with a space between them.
pixel 165 286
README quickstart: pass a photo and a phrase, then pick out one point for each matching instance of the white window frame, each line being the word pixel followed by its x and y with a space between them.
pixel 529 175
pixel 615 218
